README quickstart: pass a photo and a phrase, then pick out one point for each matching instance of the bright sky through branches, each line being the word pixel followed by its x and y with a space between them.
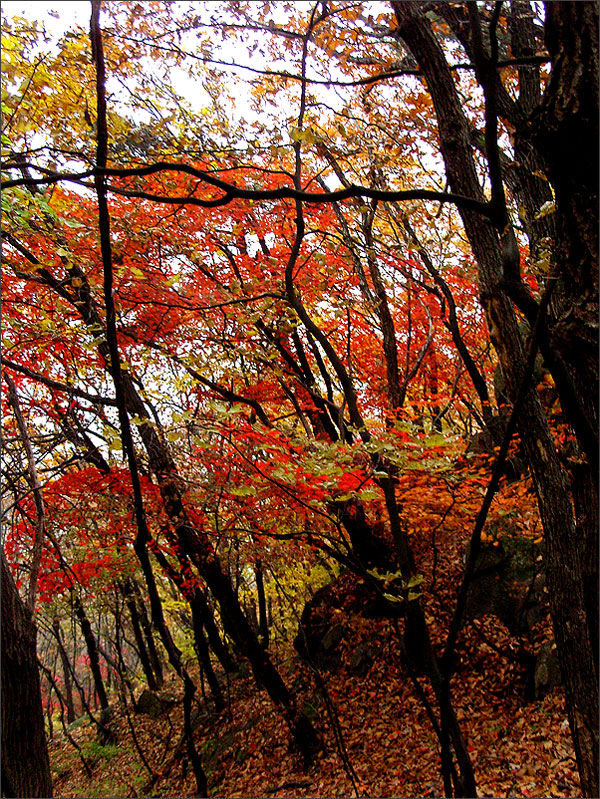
pixel 58 17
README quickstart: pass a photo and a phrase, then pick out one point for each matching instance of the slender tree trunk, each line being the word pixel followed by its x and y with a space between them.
pixel 263 623
pixel 214 638
pixel 120 668
pixel 139 638
pixel 49 710
pixel 64 659
pixel 203 654
pixel 25 761
pixel 92 650
pixel 148 634
pixel 237 626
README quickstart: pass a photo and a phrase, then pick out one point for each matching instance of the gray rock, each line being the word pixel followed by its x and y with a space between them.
pixel 509 582
pixel 547 674
pixel 362 658
pixel 150 704
pixel 332 637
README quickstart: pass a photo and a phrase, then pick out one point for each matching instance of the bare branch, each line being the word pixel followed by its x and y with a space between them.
pixel 97 399
pixel 40 511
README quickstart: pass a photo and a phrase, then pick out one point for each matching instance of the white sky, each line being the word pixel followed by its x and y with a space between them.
pixel 78 11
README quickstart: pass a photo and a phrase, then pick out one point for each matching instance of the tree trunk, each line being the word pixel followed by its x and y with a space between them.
pixel 49 711
pixel 92 650
pixel 572 39
pixel 148 634
pixel 139 638
pixel 214 638
pixel 25 761
pixel 66 668
pixel 567 137
pixel 203 654
pixel 263 623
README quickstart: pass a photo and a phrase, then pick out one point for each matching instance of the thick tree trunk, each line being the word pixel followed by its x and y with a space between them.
pixel 25 761
pixel 566 563
pixel 567 138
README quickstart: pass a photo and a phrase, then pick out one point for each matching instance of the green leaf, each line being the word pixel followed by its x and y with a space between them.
pixel 392 598
pixel 370 493
pixel 344 497
pixel 416 579
pixel 73 223
pixel 243 491
pixel 385 577
pixel 436 440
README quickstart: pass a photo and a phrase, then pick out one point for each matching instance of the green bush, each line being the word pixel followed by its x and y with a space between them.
pixel 94 751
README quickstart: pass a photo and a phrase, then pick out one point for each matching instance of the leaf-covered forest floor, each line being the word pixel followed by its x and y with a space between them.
pixel 518 749
pixel 385 745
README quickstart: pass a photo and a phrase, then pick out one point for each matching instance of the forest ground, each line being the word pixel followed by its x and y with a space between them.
pixel 519 748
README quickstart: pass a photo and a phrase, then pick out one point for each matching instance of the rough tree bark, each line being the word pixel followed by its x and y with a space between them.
pixel 25 761
pixel 568 108
pixel 566 135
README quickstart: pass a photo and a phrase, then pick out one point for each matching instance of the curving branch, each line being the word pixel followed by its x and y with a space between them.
pixel 233 192
pixel 96 399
